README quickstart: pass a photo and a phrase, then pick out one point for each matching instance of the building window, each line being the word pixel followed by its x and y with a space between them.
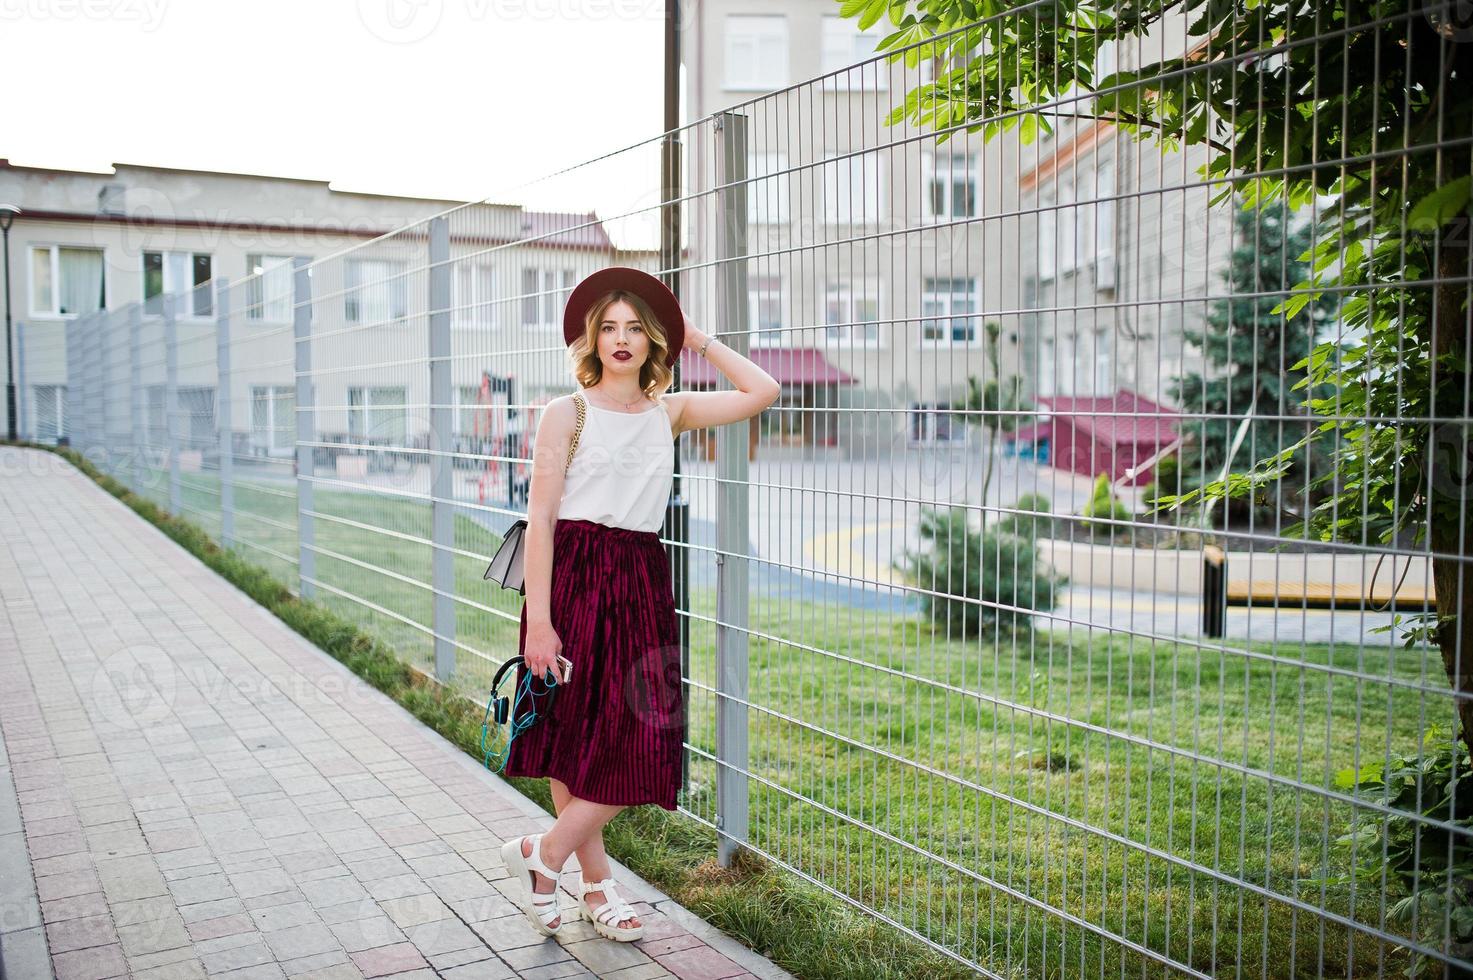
pixel 950 307
pixel 269 288
pixel 473 302
pixel 542 300
pixel 377 291
pixel 844 46
pixel 66 281
pixel 467 407
pixel 765 307
pixel 50 403
pixel 852 189
pixel 767 196
pixel 935 422
pixel 852 313
pixel 756 51
pixel 273 419
pixel 376 415
pixel 951 185
pixel 178 274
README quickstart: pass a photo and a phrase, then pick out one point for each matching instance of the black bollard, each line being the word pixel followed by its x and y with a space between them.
pixel 1214 592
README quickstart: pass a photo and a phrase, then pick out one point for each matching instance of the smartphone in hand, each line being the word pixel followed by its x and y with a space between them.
pixel 567 666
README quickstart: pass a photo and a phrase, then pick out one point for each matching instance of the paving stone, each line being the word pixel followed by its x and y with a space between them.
pixel 190 969
pixel 250 884
pixel 383 961
pixel 92 903
pixel 344 971
pixel 299 941
pixel 443 936
pixel 52 845
pixel 97 963
pixel 153 937
pixel 210 910
pixel 651 971
pixel 78 861
pixel 440 962
pixel 225 925
pixel 250 953
pixel 544 953
pixel 356 935
pixel 285 915
pixel 399 886
pixel 262 971
pixel 316 963
pixel 492 969
pixel 556 971
pixel 334 890
pixel 416 909
pixel 699 961
pixel 81 933
pixel 66 885
pixel 206 888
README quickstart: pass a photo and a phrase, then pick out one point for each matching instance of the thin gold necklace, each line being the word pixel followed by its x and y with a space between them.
pixel 627 405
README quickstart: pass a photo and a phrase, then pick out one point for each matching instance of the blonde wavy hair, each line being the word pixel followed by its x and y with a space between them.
pixel 655 376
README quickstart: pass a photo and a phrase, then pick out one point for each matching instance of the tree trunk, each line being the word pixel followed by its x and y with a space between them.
pixel 1452 576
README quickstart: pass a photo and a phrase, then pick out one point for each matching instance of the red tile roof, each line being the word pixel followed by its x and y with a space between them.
pixel 1121 419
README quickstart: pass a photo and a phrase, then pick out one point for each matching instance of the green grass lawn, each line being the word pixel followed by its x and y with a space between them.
pixel 965 788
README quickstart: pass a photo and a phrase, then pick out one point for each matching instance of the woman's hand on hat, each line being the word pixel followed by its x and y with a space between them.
pixel 694 337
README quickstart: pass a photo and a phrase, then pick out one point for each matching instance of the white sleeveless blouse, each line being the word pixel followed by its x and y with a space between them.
pixel 623 469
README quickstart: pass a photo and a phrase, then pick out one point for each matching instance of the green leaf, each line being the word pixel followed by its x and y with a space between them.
pixel 872 13
pixel 1439 207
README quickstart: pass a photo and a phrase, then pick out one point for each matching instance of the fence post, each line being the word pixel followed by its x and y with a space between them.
pixel 135 392
pixel 306 425
pixel 93 358
pixel 171 399
pixel 442 470
pixel 224 427
pixel 22 417
pixel 732 471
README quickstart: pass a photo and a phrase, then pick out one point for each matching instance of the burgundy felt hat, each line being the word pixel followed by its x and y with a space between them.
pixel 661 300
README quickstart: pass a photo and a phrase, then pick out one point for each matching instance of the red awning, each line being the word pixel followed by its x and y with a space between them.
pixel 789 365
pixel 1122 418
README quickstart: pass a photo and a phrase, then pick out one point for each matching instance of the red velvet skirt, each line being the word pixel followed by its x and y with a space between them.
pixel 616 732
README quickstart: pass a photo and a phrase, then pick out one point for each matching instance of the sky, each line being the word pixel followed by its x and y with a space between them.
pixel 458 99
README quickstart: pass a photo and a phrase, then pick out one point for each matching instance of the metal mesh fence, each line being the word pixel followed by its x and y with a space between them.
pixel 970 641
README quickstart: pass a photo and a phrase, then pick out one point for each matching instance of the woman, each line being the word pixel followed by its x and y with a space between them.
pixel 597 582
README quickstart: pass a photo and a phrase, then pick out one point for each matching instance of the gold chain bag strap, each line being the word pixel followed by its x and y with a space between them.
pixel 508 566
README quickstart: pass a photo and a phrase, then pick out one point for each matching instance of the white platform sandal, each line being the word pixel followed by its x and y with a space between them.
pixel 613 911
pixel 541 909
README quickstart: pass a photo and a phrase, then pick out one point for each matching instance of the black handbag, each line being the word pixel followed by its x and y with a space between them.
pixel 507 565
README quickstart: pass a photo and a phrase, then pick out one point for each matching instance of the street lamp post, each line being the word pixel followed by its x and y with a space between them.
pixel 7 216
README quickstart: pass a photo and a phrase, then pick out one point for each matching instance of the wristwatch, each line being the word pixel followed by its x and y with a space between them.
pixel 702 351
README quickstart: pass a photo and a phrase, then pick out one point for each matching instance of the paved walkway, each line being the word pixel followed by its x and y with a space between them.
pixel 188 788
